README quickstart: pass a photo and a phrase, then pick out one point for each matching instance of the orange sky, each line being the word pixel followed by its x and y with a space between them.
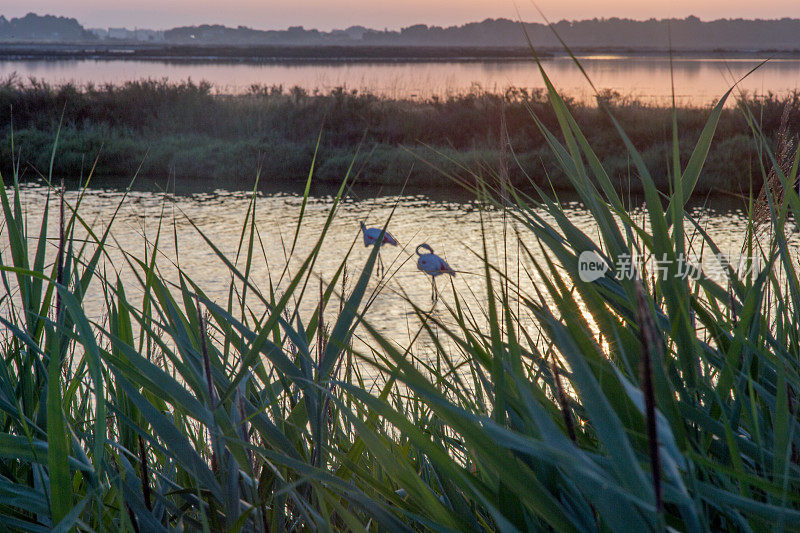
pixel 327 14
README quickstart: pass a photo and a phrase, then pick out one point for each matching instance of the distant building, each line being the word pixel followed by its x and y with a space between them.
pixel 150 36
pixel 123 34
pixel 100 33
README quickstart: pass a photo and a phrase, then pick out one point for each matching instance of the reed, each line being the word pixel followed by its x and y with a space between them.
pixel 240 419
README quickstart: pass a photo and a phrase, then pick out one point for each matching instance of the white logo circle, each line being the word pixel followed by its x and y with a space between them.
pixel 591 266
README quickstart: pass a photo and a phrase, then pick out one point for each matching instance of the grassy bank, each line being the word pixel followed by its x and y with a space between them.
pixel 188 131
pixel 653 402
pixel 261 54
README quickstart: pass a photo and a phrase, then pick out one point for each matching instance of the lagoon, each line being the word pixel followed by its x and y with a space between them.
pixel 698 80
pixel 449 220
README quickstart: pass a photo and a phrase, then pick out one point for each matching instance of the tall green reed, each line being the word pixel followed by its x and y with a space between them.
pixel 628 404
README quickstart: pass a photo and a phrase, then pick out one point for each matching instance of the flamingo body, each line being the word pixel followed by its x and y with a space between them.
pixel 371 238
pixel 433 265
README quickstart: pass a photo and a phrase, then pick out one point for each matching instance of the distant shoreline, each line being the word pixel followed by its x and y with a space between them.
pixel 156 130
pixel 327 54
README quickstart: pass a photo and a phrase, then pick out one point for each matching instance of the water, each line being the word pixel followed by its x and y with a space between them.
pixel 697 80
pixel 448 221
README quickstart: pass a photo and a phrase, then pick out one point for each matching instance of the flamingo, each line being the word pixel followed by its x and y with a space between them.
pixel 371 236
pixel 433 265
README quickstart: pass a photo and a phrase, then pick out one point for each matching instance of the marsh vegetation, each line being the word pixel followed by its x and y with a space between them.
pixel 158 129
pixel 631 404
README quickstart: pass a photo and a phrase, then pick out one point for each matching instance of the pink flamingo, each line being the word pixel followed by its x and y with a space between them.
pixel 371 236
pixel 433 265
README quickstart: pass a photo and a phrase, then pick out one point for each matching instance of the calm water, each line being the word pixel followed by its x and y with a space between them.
pixel 697 80
pixel 452 226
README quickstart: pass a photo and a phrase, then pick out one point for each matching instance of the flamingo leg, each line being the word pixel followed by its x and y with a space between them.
pixel 381 268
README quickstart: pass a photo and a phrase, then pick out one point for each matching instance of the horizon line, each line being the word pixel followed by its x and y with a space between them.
pixel 400 28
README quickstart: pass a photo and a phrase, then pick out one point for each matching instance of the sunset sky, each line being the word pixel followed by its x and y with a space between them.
pixel 328 14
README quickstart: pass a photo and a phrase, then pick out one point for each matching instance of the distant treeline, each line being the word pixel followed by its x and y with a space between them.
pixel 613 33
pixel 33 27
pixel 161 130
pixel 687 34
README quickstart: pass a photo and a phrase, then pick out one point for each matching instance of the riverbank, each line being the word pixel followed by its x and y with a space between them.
pixel 220 53
pixel 260 53
pixel 186 130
